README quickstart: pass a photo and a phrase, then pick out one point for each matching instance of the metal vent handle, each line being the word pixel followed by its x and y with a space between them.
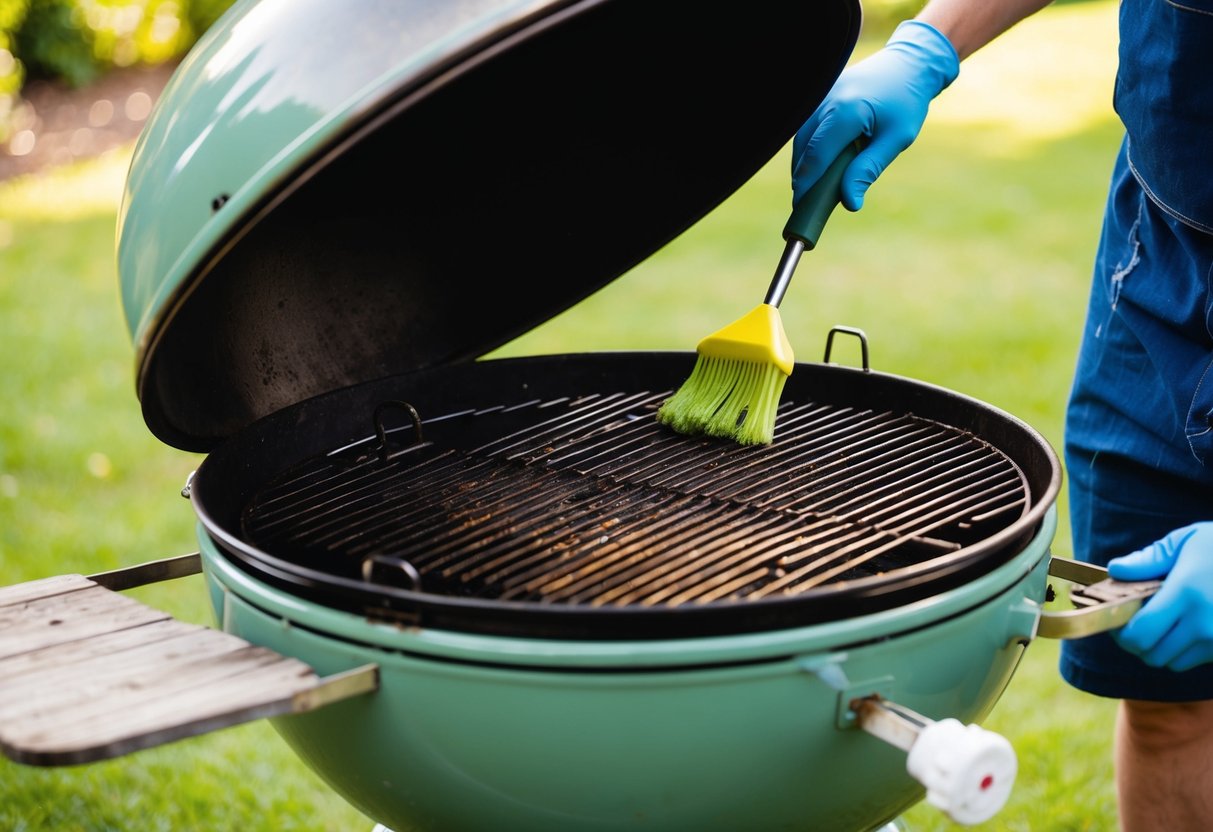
pixel 968 771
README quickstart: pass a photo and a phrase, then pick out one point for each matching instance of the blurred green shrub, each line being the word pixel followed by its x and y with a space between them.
pixel 49 41
pixel 75 41
pixel 12 72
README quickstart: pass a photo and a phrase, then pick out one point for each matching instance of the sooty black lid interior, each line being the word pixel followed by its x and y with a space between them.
pixel 453 218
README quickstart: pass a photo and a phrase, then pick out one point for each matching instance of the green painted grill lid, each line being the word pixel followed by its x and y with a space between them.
pixel 331 193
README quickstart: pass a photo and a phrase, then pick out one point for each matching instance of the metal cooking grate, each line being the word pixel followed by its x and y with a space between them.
pixel 591 502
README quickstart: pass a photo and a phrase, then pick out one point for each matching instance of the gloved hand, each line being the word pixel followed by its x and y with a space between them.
pixel 1173 629
pixel 884 96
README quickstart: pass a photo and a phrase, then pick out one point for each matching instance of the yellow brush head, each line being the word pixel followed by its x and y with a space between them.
pixel 734 389
pixel 756 337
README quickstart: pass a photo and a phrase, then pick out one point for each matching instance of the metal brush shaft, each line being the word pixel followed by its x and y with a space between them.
pixel 808 219
pixel 783 274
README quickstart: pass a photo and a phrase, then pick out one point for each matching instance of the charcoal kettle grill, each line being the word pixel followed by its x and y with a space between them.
pixel 486 594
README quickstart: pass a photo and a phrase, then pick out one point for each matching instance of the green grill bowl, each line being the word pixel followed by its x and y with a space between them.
pixel 751 731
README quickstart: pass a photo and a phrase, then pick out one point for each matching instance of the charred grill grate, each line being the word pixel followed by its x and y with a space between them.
pixel 590 502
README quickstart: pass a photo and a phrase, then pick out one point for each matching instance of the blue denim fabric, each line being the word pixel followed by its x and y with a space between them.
pixel 1165 99
pixel 1139 447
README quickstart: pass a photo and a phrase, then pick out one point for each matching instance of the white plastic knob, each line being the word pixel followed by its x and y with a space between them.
pixel 968 771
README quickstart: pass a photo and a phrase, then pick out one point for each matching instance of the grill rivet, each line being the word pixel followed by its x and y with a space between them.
pixel 219 201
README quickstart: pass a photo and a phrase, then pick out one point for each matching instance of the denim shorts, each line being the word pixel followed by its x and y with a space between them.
pixel 1139 426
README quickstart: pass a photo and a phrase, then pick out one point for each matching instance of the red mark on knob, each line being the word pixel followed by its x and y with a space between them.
pixel 987 781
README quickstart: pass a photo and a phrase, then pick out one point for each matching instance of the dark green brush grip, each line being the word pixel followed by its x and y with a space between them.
pixel 810 214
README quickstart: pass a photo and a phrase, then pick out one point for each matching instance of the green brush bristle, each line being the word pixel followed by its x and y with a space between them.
pixel 685 410
pixel 717 393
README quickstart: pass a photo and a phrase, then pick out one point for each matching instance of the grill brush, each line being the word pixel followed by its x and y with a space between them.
pixel 734 388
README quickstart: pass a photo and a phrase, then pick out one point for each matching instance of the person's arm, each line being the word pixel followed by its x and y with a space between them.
pixel 971 24
pixel 884 97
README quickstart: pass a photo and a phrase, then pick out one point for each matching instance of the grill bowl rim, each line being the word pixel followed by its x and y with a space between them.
pixel 505 650
pixel 529 375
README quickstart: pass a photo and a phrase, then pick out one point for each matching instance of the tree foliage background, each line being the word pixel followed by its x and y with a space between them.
pixel 75 41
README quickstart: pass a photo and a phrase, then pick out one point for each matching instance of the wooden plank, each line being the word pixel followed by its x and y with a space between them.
pixel 64 688
pixel 57 619
pixel 44 588
pixel 129 699
pixel 87 674
pixel 210 706
pixel 95 647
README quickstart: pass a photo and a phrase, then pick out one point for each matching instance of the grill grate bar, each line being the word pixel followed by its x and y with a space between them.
pixel 314 486
pixel 375 504
pixel 595 415
pixel 511 566
pixel 590 502
pixel 836 468
pixel 838 441
pixel 834 480
pixel 980 483
pixel 742 551
pixel 652 581
pixel 918 475
pixel 503 504
pixel 637 449
pixel 636 541
pixel 505 554
pixel 630 452
pixel 850 556
pixel 708 456
pixel 580 527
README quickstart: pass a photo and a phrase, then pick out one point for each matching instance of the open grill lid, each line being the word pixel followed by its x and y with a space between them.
pixel 329 193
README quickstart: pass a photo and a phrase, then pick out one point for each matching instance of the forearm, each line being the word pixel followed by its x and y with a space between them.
pixel 971 24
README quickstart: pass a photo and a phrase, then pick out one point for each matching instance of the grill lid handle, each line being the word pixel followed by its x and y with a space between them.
pixel 1100 603
pixel 848 330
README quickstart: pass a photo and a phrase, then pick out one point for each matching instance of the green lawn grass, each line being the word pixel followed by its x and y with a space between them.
pixel 968 268
pixel 84 487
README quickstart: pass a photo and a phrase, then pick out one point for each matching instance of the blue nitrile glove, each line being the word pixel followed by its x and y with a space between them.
pixel 1173 629
pixel 885 97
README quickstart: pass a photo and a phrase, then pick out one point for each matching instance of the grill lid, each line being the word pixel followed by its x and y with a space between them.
pixel 330 193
